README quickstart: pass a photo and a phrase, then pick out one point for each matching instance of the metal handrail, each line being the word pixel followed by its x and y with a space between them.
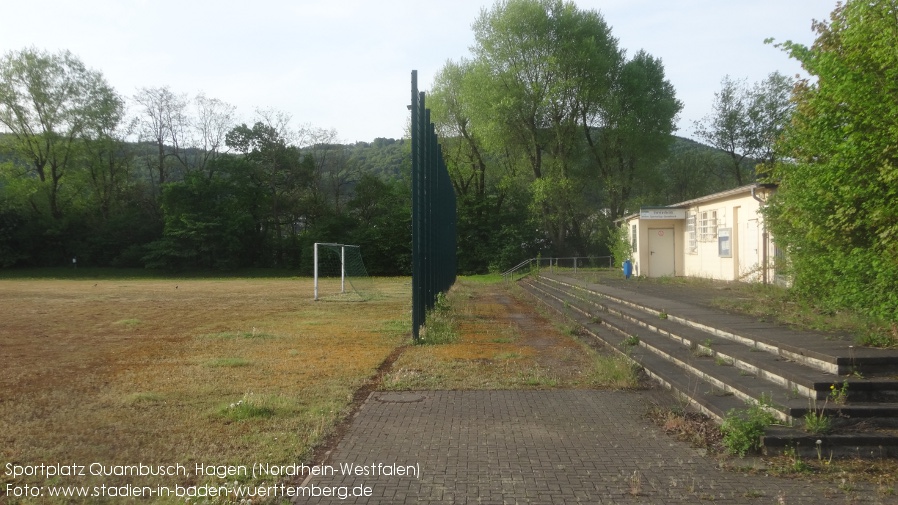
pixel 516 267
pixel 509 274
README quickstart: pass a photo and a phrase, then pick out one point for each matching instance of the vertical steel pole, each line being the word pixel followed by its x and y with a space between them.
pixel 316 269
pixel 416 201
pixel 342 269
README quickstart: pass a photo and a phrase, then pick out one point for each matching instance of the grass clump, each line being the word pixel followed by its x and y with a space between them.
pixel 228 362
pixel 816 421
pixel 439 326
pixel 246 408
pixel 615 372
pixel 129 323
pixel 742 429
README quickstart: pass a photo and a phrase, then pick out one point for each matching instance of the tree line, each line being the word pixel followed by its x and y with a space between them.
pixel 177 183
pixel 163 180
pixel 550 131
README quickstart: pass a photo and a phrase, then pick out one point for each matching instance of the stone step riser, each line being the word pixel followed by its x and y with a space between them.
pixel 674 375
pixel 821 365
pixel 886 391
pixel 843 366
pixel 785 414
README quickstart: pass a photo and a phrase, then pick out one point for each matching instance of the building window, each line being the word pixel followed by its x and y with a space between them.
pixel 691 242
pixel 708 225
pixel 633 237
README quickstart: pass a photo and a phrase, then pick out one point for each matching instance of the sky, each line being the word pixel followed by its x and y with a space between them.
pixel 346 65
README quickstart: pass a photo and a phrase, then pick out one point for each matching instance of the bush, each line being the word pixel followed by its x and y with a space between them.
pixel 742 429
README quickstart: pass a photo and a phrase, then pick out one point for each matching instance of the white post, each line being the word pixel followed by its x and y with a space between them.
pixel 343 269
pixel 316 269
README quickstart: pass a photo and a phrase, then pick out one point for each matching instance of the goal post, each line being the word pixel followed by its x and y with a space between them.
pixel 339 261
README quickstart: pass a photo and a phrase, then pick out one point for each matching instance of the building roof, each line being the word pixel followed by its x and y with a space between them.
pixel 707 198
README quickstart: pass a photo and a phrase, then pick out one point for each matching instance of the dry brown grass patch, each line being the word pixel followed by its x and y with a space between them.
pixel 502 344
pixel 187 371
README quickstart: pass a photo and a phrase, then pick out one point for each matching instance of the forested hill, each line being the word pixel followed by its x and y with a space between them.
pixel 385 158
pixel 122 204
pixel 691 170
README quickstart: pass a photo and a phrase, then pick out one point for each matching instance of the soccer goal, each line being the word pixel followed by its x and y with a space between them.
pixel 340 271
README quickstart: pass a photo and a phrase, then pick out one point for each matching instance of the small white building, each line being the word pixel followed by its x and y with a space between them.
pixel 720 236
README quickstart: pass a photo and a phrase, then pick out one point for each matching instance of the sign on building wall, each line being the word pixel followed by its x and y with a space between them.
pixel 661 213
pixel 724 244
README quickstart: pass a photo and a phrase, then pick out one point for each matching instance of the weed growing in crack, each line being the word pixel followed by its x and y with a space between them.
pixel 816 421
pixel 839 394
pixel 722 361
pixel 635 483
pixel 630 341
pixel 742 428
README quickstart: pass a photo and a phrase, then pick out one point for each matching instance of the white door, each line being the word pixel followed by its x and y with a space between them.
pixel 661 252
pixel 749 255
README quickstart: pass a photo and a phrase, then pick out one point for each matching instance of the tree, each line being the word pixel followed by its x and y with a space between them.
pixel 382 211
pixel 835 210
pixel 536 64
pixel 214 119
pixel 281 170
pixel 161 121
pixel 629 129
pixel 746 122
pixel 484 173
pixel 208 224
pixel 335 170
pixel 52 103
pixel 454 102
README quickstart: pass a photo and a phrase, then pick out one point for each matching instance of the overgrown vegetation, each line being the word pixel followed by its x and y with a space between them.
pixel 788 306
pixel 440 325
pixel 835 212
pixel 493 351
pixel 742 429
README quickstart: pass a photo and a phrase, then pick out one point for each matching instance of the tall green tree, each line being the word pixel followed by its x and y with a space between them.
pixel 629 130
pixel 50 104
pixel 835 211
pixel 208 223
pixel 549 103
pixel 746 122
pixel 285 175
pixel 542 59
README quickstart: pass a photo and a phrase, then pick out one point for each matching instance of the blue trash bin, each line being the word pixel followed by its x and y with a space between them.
pixel 628 268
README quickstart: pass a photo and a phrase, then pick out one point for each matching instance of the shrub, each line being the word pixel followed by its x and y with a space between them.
pixel 742 429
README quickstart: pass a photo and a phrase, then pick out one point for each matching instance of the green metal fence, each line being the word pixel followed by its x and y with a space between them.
pixel 433 214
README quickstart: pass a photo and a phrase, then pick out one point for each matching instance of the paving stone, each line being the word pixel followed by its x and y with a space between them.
pixel 557 446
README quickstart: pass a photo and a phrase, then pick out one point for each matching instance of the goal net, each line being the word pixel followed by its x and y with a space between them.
pixel 340 272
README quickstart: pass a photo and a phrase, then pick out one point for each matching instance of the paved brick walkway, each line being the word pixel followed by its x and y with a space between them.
pixel 567 446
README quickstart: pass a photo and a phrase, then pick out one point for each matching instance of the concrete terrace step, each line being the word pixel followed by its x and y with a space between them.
pixel 797 377
pixel 811 348
pixel 715 362
pixel 716 370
